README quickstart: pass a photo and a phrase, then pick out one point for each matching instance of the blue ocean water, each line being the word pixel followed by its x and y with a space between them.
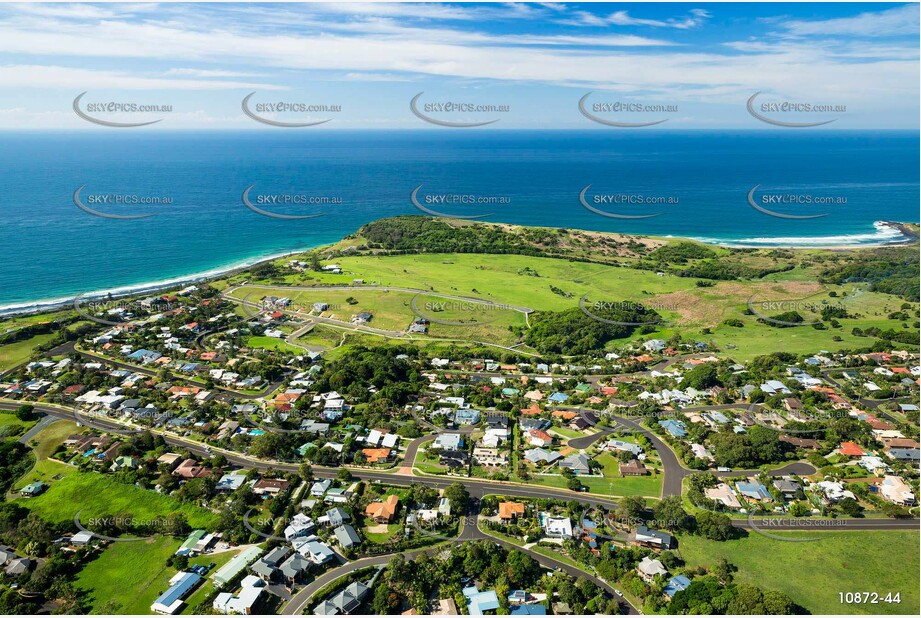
pixel 51 249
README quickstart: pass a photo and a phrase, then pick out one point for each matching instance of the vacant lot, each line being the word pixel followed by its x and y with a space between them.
pixel 97 495
pixel 813 573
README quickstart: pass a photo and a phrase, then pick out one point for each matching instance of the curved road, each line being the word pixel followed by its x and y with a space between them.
pixel 476 487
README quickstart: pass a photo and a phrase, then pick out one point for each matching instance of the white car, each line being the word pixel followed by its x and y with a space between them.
pixel 618 592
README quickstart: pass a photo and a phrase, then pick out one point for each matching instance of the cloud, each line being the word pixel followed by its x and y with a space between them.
pixel 79 79
pixel 208 73
pixel 695 18
pixel 901 20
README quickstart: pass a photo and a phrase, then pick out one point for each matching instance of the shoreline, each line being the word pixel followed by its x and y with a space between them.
pixel 56 304
pixel 905 235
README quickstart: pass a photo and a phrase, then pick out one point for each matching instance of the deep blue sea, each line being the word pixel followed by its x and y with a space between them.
pixel 51 249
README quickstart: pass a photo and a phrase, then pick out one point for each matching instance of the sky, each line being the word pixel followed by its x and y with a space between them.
pixel 696 64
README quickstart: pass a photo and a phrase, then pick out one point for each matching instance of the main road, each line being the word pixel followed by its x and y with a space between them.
pixel 476 487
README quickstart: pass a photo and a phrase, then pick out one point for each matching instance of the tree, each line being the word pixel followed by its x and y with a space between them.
pixel 714 526
pixel 459 497
pixel 25 412
pixel 701 377
pixel 851 507
pixel 344 475
pixel 574 484
pixel 777 603
pixel 630 509
pixel 306 472
pixel 669 514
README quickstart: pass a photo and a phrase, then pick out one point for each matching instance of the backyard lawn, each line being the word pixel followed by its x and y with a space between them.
pixel 813 573
pixel 381 532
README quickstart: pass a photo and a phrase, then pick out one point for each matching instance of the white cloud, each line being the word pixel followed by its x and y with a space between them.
pixel 77 79
pixel 901 20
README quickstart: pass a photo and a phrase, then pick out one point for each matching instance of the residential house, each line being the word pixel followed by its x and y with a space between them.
pixel 620 445
pixel 897 491
pixel 833 491
pixel 510 510
pixel 383 512
pixel 301 525
pixel 191 469
pixel 245 602
pixel 675 585
pixel 557 527
pixel 723 494
pixel 677 429
pixel 578 463
pixel 293 569
pixel 478 602
pixel 454 459
pixel 320 487
pixel 376 455
pixel 271 487
pixel 33 489
pixel 655 539
pixel 337 516
pixel 347 536
pixel 313 549
pixel 754 491
pixel 648 568
pixel 788 488
pixel 634 467
pixel 449 441
pixel 346 601
pixel 539 438
pixel 180 585
pixel 490 457
pixel 541 456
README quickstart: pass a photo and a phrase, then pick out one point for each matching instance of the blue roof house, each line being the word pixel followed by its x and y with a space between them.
pixel 676 584
pixel 676 428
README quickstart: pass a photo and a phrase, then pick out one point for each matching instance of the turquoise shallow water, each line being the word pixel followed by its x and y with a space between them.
pixel 49 248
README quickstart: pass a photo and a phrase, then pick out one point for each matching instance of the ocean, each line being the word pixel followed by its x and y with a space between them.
pixel 696 183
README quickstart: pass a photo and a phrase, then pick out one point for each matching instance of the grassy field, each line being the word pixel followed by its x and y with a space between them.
pixel 127 577
pixel 381 537
pixel 538 282
pixel 16 353
pixel 10 425
pixel 98 495
pixel 813 573
pixel 650 486
pixel 395 310
pixel 272 343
